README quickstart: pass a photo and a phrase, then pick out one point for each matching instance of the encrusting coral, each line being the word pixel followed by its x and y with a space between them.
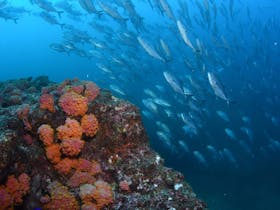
pixel 78 147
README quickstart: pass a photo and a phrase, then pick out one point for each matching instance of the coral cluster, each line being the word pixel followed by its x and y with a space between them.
pixel 12 193
pixel 60 198
pixel 47 102
pixel 46 134
pixel 63 146
pixel 71 129
pixel 96 196
pixel 73 103
pixel 89 125
pixel 80 148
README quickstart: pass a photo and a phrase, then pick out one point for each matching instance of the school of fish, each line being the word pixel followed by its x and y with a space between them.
pixel 203 77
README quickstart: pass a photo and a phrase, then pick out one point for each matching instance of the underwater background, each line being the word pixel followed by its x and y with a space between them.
pixel 204 73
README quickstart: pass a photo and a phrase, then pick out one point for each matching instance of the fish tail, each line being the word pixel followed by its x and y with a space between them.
pixel 62 25
pixel 15 20
pixel 231 102
pixel 59 13
pixel 99 14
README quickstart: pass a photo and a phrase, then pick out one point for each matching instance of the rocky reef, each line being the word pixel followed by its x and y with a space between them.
pixel 74 146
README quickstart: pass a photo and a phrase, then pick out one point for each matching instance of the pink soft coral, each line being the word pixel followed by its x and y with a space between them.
pixel 91 91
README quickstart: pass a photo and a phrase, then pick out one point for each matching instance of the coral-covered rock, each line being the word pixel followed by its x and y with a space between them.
pixel 78 89
pixel 91 167
pixel 86 193
pixel 47 102
pixel 102 193
pixel 91 91
pixel 89 206
pixel 71 129
pixel 130 174
pixel 80 178
pixel 61 198
pixel 23 114
pixel 124 185
pixel 89 125
pixel 73 104
pixel 7 145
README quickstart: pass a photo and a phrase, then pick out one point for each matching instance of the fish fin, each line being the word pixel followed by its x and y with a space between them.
pixel 15 20
pixel 167 60
pixel 231 102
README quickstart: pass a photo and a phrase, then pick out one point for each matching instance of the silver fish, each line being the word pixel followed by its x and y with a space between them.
pixel 217 87
pixel 183 34
pixel 149 49
pixel 165 6
pixel 173 82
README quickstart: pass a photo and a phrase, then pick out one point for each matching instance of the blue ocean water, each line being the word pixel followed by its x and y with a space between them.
pixel 204 73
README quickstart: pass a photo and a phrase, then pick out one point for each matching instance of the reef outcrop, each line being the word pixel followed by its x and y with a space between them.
pixel 75 146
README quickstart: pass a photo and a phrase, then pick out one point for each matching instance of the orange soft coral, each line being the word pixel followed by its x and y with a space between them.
pixel 23 115
pixel 17 188
pixel 73 104
pixel 46 134
pixel 47 102
pixel 71 129
pixel 65 165
pixel 89 206
pixel 102 194
pixel 53 153
pixel 24 181
pixel 79 178
pixel 61 198
pixel 89 125
pixel 6 199
pixel 72 147
pixel 91 91
pixel 92 167
pixel 78 89
pixel 86 193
